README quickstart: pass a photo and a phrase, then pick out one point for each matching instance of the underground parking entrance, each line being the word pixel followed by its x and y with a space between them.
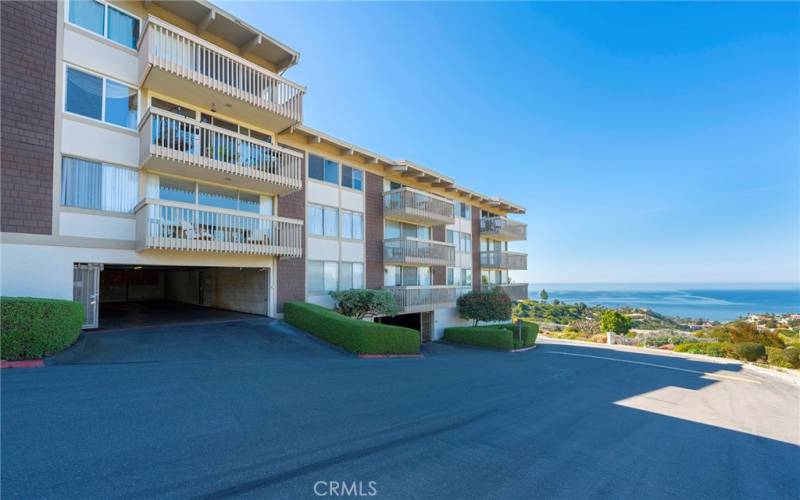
pixel 419 321
pixel 129 296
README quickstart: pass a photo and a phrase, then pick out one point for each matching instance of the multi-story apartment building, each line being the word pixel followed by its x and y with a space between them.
pixel 153 151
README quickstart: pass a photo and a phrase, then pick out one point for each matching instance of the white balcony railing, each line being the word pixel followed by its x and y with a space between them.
pixel 173 137
pixel 426 298
pixel 411 205
pixel 504 260
pixel 181 53
pixel 169 225
pixel 414 251
pixel 516 291
pixel 502 228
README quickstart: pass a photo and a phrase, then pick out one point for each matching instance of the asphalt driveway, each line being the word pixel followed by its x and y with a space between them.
pixel 255 409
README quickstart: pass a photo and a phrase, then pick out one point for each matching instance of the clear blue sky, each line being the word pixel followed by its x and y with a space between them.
pixel 649 142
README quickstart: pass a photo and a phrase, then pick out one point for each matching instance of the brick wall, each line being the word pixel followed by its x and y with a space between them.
pixel 291 273
pixel 28 68
pixel 439 272
pixel 373 229
pixel 476 248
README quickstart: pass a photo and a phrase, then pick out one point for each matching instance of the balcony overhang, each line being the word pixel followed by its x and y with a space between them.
pixel 209 18
pixel 177 63
pixel 172 144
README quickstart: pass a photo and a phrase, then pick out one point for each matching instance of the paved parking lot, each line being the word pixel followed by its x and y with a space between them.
pixel 255 409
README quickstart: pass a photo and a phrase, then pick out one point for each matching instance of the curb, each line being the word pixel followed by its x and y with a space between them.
pixel 391 356
pixel 483 348
pixel 525 349
pixel 67 354
pixel 28 363
pixel 778 373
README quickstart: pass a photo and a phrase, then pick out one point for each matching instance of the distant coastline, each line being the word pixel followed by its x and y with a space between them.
pixel 714 301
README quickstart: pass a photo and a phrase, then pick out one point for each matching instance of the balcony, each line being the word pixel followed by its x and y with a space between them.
pixel 426 298
pixel 175 62
pixel 416 252
pixel 504 260
pixel 517 291
pixel 172 144
pixel 503 229
pixel 417 207
pixel 169 225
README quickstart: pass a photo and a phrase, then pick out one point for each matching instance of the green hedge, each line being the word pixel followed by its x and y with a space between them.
pixel 362 337
pixel 31 328
pixel 501 336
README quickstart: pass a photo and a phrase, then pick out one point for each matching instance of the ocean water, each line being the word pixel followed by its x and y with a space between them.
pixel 715 302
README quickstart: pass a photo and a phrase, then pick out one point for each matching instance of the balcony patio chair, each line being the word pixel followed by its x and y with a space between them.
pixel 192 233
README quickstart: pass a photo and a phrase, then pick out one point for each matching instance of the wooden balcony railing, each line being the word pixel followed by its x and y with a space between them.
pixel 169 225
pixel 504 260
pixel 517 291
pixel 414 251
pixel 167 136
pixel 417 207
pixel 426 298
pixel 184 54
pixel 504 229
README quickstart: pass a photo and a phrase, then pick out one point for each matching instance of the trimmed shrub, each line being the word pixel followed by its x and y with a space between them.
pixel 490 305
pixel 749 351
pixel 615 321
pixel 362 337
pixel 501 336
pixel 495 337
pixel 31 328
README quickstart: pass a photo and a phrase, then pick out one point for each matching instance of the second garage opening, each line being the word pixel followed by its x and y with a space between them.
pixel 133 296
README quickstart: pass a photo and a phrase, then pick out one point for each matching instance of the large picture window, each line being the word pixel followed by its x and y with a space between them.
pixel 323 276
pixel 351 275
pixel 105 20
pixel 101 98
pixel 208 195
pixel 98 186
pixel 323 221
pixel 352 225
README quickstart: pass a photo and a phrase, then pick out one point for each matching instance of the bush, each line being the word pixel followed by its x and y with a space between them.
pixel 354 335
pixel 749 351
pixel 31 328
pixel 362 303
pixel 793 355
pixel 777 357
pixel 485 305
pixel 501 336
pixel 741 331
pixel 716 349
pixel 614 321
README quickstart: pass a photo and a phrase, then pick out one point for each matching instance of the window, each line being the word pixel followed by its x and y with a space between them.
pixel 450 276
pixel 106 21
pixel 322 276
pixel 212 196
pixel 394 185
pixel 323 170
pixel 94 185
pixel 466 243
pixel 172 108
pixel 323 221
pixel 121 104
pixel 351 275
pixel 391 229
pixel 352 225
pixel 101 98
pixel 352 178
pixel 466 277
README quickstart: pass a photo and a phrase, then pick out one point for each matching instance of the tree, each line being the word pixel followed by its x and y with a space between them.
pixel 614 321
pixel 363 303
pixel 543 295
pixel 485 305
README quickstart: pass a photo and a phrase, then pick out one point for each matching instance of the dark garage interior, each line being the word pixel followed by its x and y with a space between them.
pixel 135 296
